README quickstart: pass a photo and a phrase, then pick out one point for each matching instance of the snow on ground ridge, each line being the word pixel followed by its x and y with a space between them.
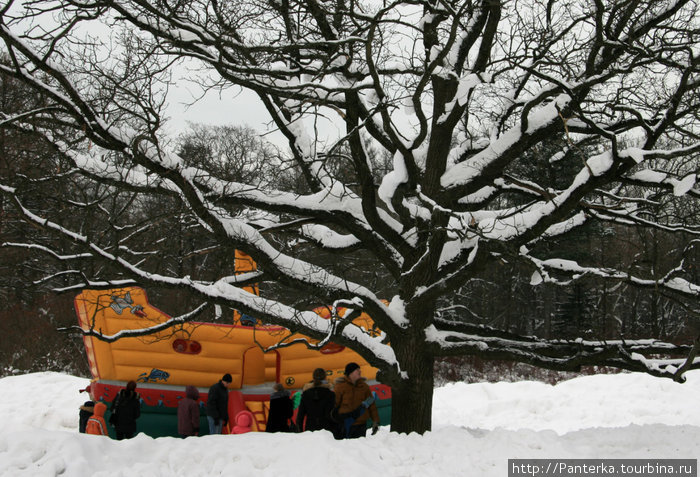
pixel 477 428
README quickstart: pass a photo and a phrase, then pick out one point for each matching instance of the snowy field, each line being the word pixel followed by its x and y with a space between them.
pixel 477 428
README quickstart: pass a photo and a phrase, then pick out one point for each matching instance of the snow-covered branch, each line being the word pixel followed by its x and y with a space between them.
pixel 166 325
pixel 561 355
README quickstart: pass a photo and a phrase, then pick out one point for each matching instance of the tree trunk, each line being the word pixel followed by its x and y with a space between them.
pixel 412 397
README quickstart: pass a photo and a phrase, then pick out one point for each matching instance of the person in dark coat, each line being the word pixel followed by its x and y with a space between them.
pixel 317 402
pixel 217 404
pixel 281 410
pixel 188 413
pixel 126 408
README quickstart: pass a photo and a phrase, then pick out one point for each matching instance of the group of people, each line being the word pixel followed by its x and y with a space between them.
pixel 126 408
pixel 342 408
pixel 217 411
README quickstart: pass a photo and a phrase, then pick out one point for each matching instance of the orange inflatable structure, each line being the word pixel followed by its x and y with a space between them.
pixel 199 354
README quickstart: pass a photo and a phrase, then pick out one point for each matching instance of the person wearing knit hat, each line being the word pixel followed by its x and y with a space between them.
pixel 350 368
pixel 217 404
pixel 355 403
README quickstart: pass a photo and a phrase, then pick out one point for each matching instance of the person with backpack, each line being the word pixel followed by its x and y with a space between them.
pixel 354 404
pixel 126 408
pixel 96 424
pixel 317 402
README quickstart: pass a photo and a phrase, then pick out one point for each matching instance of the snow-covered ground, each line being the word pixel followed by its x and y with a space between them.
pixel 477 428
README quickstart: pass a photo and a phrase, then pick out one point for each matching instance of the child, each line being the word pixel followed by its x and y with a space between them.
pixel 96 424
pixel 244 422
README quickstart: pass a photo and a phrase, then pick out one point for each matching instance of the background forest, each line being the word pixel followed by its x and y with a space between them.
pixel 32 312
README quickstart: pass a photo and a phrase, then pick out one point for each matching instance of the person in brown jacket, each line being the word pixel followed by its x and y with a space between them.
pixel 188 413
pixel 350 393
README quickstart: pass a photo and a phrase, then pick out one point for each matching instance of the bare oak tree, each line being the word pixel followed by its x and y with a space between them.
pixel 457 92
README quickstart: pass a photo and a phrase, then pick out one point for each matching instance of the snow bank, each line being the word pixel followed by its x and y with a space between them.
pixel 477 428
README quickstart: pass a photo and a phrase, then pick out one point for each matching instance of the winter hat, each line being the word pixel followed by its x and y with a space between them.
pixel 227 378
pixel 350 367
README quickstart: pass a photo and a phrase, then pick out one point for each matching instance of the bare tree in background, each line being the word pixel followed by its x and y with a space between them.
pixel 458 93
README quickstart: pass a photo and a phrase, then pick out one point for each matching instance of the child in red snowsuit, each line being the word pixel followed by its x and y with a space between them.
pixel 244 422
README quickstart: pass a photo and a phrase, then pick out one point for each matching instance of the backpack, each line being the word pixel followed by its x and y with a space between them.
pixel 95 426
pixel 113 410
pixel 125 410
